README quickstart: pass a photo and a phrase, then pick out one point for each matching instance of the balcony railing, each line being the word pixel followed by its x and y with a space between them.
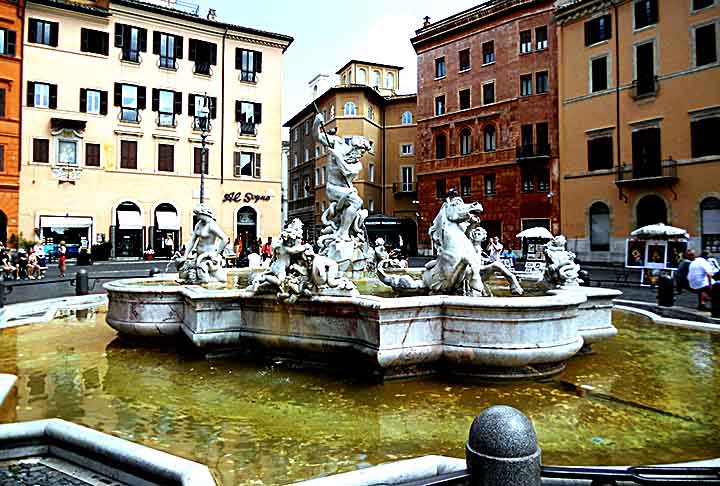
pixel 528 151
pixel 644 87
pixel 663 172
pixel 203 67
pixel 404 189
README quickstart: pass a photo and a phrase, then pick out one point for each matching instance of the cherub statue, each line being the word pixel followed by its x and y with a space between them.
pixel 287 251
pixel 561 269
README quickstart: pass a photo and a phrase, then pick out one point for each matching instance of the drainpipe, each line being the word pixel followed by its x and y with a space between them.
pixel 384 153
pixel 20 46
pixel 222 112
pixel 617 82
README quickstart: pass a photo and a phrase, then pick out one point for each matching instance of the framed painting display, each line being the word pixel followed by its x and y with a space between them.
pixel 635 254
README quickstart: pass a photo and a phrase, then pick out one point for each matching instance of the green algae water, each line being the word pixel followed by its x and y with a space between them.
pixel 650 395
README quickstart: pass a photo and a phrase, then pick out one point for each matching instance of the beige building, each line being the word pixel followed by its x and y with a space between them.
pixel 639 121
pixel 111 142
pixel 363 104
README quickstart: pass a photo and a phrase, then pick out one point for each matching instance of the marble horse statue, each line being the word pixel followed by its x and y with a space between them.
pixel 458 268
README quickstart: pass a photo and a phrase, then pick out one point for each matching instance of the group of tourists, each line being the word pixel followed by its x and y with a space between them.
pixel 253 253
pixel 24 264
pixel 698 274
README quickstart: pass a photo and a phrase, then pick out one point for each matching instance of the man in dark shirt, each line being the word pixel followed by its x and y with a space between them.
pixel 681 280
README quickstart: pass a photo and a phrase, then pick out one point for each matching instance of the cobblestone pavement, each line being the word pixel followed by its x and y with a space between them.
pixel 24 474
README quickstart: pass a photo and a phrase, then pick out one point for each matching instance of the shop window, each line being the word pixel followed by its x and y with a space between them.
pixel 704 135
pixel 131 99
pixel 440 105
pixel 167 104
pixel 541 38
pixel 541 82
pixel 247 164
pixel 488 93
pixel 525 41
pixel 93 101
pixel 599 227
pixel 169 48
pixel 249 63
pixel 465 185
pixel 526 85
pixel 490 140
pixel 42 95
pixel 464 59
pixel 597 30
pixel 8 41
pixel 465 141
pixel 407 118
pixel 464 96
pixel 128 154
pixel 198 160
pixel 488 49
pixel 440 147
pixel 490 184
pixel 92 154
pixel 249 115
pixel 131 40
pixel 41 150
pixel 204 55
pixel 646 13
pixel 600 153
pixel 440 70
pixel 440 188
pixel 166 157
pixel 705 45
pixel 599 74
pixel 710 225
pixel 43 32
pixel 95 41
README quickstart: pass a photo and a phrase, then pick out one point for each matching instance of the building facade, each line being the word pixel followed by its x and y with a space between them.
pixel 112 146
pixel 487 116
pixel 639 118
pixel 387 180
pixel 11 54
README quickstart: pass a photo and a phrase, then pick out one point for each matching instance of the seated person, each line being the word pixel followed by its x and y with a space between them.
pixel 21 264
pixel 7 265
pixel 33 267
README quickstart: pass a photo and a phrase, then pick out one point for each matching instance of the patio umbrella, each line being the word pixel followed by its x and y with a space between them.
pixel 659 230
pixel 537 232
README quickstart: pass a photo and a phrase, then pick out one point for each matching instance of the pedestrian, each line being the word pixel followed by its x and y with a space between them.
pixel 169 245
pixel 494 249
pixel 681 275
pixel 267 249
pixel 700 278
pixel 62 257
pixel 254 259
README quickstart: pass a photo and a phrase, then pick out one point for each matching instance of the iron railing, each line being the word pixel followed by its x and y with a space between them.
pixel 532 150
pixel 661 169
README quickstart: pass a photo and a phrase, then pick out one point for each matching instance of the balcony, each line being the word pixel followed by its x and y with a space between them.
pixel 657 173
pixel 645 87
pixel 404 189
pixel 532 151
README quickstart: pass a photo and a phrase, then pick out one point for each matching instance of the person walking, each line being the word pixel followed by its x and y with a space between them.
pixel 495 249
pixel 62 257
pixel 681 275
pixel 267 249
pixel 169 245
pixel 700 278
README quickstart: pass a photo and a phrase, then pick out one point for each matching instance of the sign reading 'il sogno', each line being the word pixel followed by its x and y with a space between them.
pixel 248 197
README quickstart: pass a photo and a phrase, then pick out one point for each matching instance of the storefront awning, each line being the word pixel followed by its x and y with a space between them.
pixel 64 222
pixel 167 220
pixel 129 220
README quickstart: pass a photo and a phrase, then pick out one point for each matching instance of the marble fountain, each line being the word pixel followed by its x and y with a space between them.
pixel 443 318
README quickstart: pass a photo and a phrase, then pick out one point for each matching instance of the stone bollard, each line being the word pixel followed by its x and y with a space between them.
pixel 666 291
pixel 154 271
pixel 502 449
pixel 82 282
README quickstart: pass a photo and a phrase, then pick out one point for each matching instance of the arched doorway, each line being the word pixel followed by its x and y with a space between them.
pixel 599 227
pixel 166 230
pixel 3 228
pixel 710 225
pixel 129 230
pixel 650 210
pixel 246 223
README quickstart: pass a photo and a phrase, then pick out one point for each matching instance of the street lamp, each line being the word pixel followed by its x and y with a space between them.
pixel 202 114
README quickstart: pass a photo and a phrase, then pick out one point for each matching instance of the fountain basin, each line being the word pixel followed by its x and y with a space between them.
pixel 389 337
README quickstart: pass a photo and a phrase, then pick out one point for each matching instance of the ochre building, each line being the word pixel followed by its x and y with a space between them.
pixel 639 121
pixel 112 140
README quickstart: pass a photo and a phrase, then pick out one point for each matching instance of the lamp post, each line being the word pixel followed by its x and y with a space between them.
pixel 203 123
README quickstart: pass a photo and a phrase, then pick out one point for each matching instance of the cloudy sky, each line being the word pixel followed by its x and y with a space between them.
pixel 330 33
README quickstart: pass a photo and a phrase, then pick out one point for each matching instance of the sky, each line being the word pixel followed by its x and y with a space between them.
pixel 330 33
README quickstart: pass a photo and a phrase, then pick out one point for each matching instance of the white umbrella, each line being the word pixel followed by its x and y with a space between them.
pixel 537 232
pixel 660 230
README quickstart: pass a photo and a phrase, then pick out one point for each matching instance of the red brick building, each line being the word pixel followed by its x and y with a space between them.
pixel 487 116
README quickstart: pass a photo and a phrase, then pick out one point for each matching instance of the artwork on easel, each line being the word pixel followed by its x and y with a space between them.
pixel 655 254
pixel 635 254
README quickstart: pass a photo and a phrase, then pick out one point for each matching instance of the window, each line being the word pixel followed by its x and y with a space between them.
pixel 167 104
pixel 317 152
pixel 198 160
pixel 169 47
pixel 371 172
pixel 406 149
pixel 646 152
pixel 528 180
pixel 2 158
pixel 704 136
pixel 128 154
pixel 92 154
pixel 295 160
pixel 525 42
pixel 464 96
pixel 67 152
pixel 344 79
pixel 600 152
pixel 166 157
pixel 41 150
pixel 390 81
pixel 296 188
pixel 42 95
pixel 306 186
pixel 294 135
pixel 323 174
pixel 488 93
pixel 440 105
pixel 371 205
pixel 247 164
pixel 132 41
pixel 705 45
pixel 646 13
pixel 543 180
pixel 542 138
pixel 95 41
pixel 204 54
pixel 440 147
pixel 8 41
pixel 597 30
pixel 407 118
pixel 488 52
pixel 599 227
pixel 2 102
pixel 350 109
pixel 370 113
pixel 526 85
pixel 465 141
pixel 93 101
pixel 307 155
pixel 599 74
pixel 197 104
pixel 541 38
pixel 645 66
pixel 489 136
pixel 489 184
pixel 440 68
pixel 407 179
pixel 362 76
pixel 541 82
pixel 464 59
pixel 465 185
pixel 698 4
pixel 710 224
pixel 249 115
pixel 526 136
pixel 317 176
pixel 440 188
pixel 130 99
pixel 249 63
pixel 43 32
pixel 376 78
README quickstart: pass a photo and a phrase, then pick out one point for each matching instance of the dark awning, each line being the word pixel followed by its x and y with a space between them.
pixel 56 123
